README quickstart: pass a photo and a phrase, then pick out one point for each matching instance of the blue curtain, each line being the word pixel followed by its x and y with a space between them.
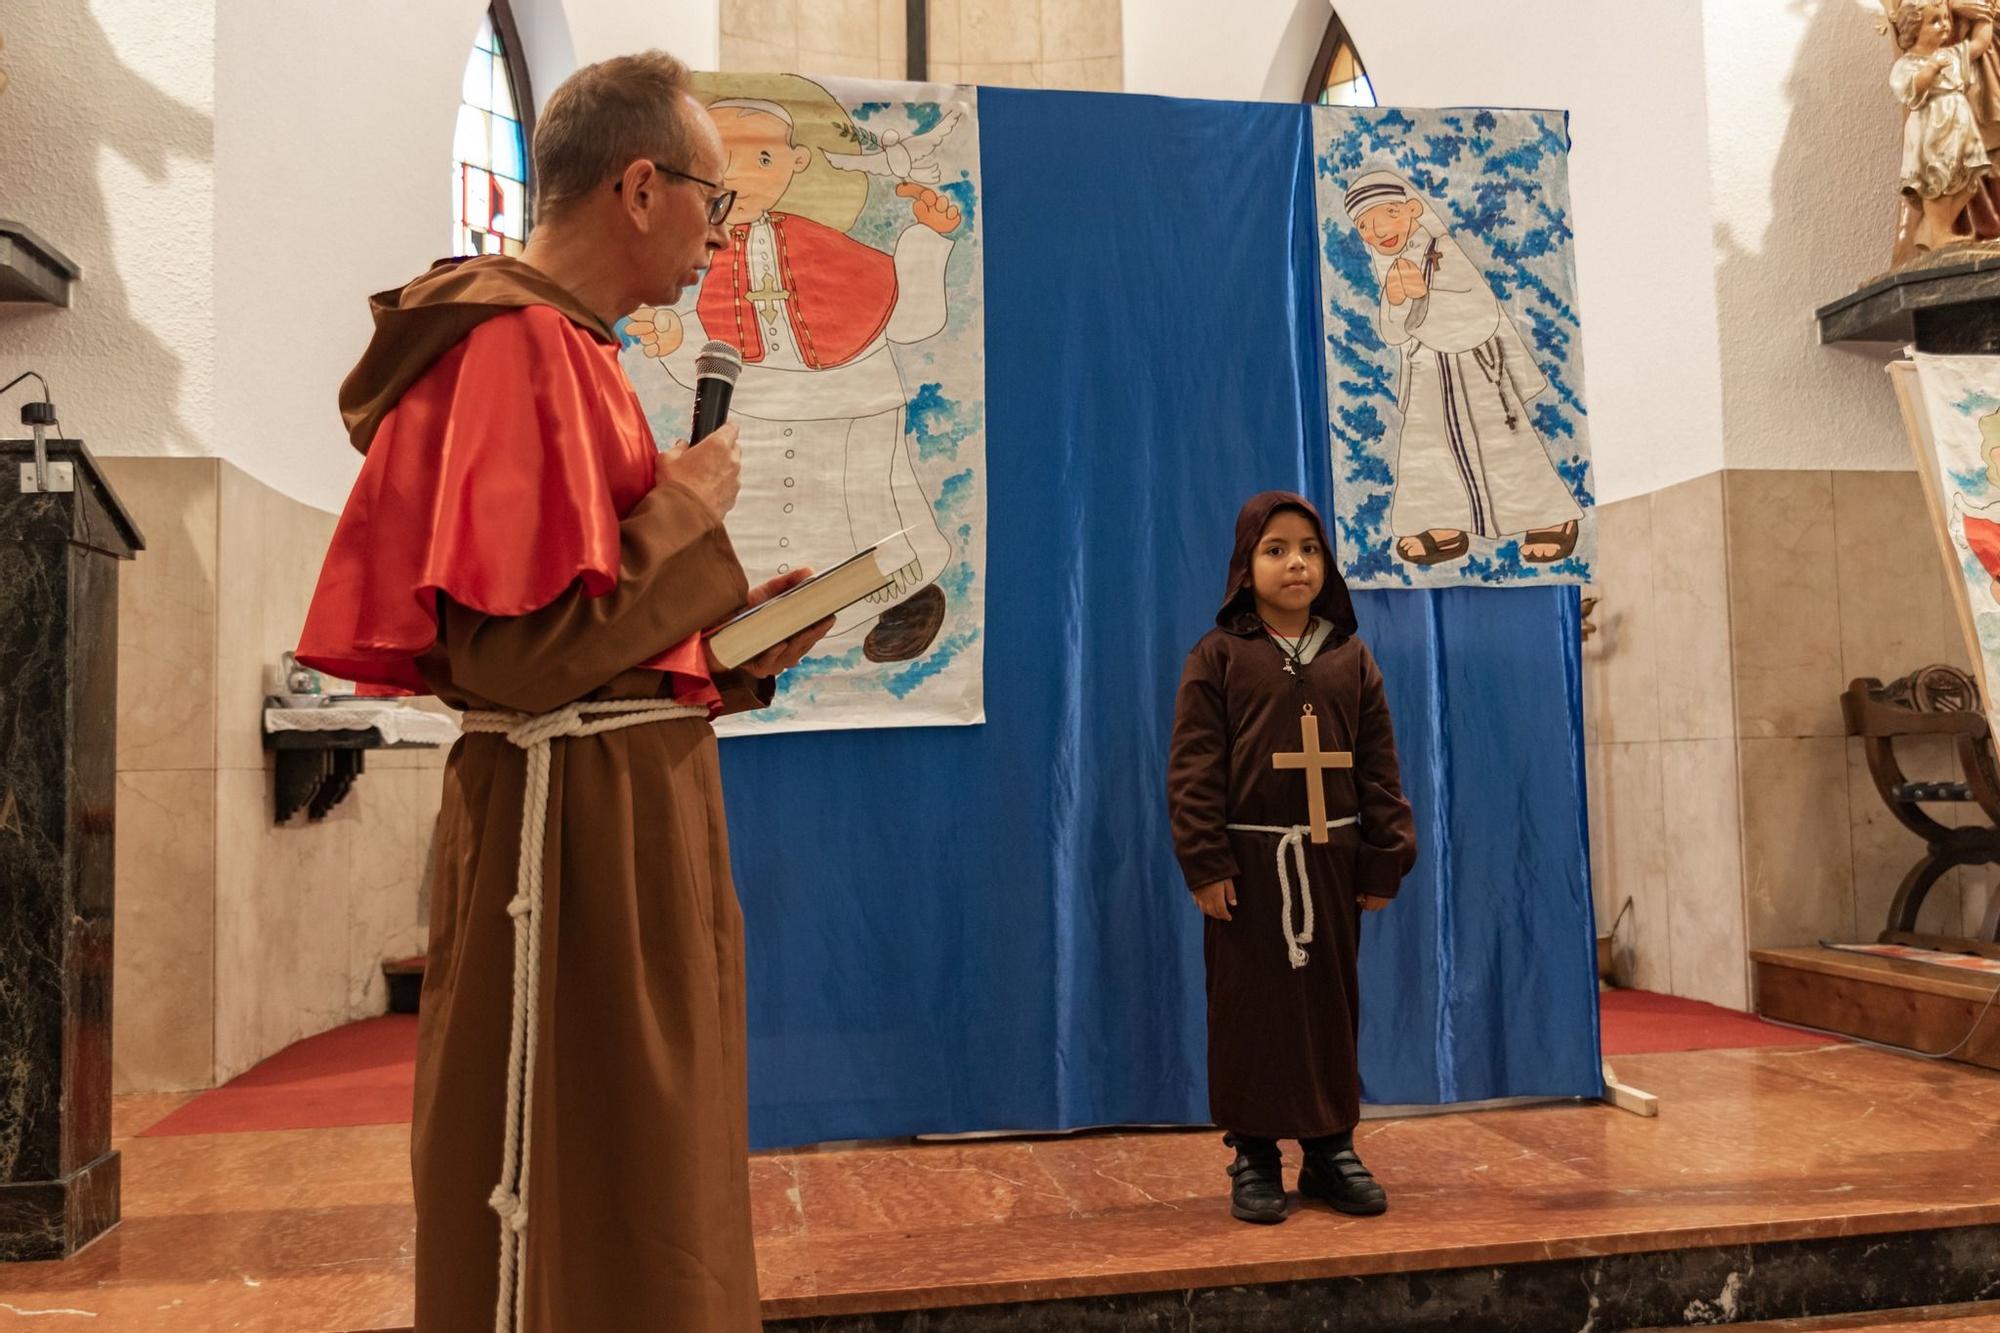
pixel 983 928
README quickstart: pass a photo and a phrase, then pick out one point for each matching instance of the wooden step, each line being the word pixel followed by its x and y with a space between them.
pixel 1891 1000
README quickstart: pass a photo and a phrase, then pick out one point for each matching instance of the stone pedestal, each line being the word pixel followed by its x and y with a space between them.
pixel 1949 309
pixel 59 554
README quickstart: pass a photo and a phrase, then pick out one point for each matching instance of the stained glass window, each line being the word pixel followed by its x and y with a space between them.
pixel 489 174
pixel 1338 77
pixel 1346 81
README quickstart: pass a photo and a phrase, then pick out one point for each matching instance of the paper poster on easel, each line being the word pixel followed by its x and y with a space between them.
pixel 1953 415
pixel 853 286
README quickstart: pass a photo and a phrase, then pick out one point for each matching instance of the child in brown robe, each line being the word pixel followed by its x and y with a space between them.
pixel 1282 1017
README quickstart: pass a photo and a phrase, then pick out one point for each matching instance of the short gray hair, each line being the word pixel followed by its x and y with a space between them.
pixel 604 116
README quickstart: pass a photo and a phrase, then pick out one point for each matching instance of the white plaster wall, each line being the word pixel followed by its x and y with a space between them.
pixel 1631 78
pixel 1803 142
pixel 106 146
pixel 691 29
pixel 332 164
pixel 1247 50
pixel 321 201
pixel 235 181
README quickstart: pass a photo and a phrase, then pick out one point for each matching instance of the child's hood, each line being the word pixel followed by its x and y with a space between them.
pixel 1239 608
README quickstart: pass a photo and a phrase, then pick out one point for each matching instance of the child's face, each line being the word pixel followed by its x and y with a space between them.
pixel 1290 566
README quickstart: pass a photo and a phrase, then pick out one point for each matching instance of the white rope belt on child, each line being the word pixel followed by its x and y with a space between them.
pixel 1293 840
pixel 537 736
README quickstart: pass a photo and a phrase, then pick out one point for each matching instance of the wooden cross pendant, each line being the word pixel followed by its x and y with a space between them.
pixel 1315 762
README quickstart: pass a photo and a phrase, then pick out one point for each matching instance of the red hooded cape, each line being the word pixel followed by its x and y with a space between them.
pixel 503 446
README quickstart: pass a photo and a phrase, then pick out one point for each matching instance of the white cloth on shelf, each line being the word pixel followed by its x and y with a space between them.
pixel 399 723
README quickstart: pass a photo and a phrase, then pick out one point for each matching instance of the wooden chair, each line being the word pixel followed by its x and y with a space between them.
pixel 1934 701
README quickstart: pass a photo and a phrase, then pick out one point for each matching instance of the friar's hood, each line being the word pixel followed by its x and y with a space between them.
pixel 418 323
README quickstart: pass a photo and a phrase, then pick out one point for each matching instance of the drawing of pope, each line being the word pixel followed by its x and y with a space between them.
pixel 817 314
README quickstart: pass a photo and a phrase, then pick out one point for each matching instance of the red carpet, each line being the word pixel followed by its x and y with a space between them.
pixel 1637 1022
pixel 362 1074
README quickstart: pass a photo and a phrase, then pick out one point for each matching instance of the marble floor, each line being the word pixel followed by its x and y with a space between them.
pixel 310 1230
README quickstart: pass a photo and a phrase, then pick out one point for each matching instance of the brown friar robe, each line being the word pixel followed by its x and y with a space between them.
pixel 506 548
pixel 639 1193
pixel 1281 1040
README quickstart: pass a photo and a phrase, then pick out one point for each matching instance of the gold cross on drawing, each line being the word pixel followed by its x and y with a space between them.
pixel 1315 762
pixel 766 298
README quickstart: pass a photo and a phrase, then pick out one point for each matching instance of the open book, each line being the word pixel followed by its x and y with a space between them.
pixel 820 597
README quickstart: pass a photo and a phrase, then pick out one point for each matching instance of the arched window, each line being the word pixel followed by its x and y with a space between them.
pixel 489 176
pixel 1338 77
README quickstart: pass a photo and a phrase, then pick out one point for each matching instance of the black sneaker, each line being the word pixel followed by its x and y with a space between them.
pixel 1257 1181
pixel 1338 1178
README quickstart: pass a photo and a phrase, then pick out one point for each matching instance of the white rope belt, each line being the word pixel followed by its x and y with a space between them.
pixel 537 736
pixel 1292 840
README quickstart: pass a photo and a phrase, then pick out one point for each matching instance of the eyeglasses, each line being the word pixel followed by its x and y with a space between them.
pixel 718 205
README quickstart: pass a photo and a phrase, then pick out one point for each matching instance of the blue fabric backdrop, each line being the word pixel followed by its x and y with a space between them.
pixel 983 928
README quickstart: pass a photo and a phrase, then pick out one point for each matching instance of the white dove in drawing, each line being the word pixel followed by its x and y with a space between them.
pixel 906 157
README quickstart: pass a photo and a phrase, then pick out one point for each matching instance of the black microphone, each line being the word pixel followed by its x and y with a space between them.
pixel 715 372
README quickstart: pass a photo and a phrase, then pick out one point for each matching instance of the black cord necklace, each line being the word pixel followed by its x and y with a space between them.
pixel 1293 651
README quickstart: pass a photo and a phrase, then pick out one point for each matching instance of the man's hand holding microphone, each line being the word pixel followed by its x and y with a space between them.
pixel 712 468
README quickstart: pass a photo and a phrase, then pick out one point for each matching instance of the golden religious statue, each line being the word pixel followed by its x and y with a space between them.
pixel 1947 76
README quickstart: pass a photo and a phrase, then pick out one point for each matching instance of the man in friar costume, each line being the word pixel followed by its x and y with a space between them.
pixel 518 546
pixel 1470 461
pixel 816 315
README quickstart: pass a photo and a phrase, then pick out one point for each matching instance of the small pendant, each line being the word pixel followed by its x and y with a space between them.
pixel 1290 668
